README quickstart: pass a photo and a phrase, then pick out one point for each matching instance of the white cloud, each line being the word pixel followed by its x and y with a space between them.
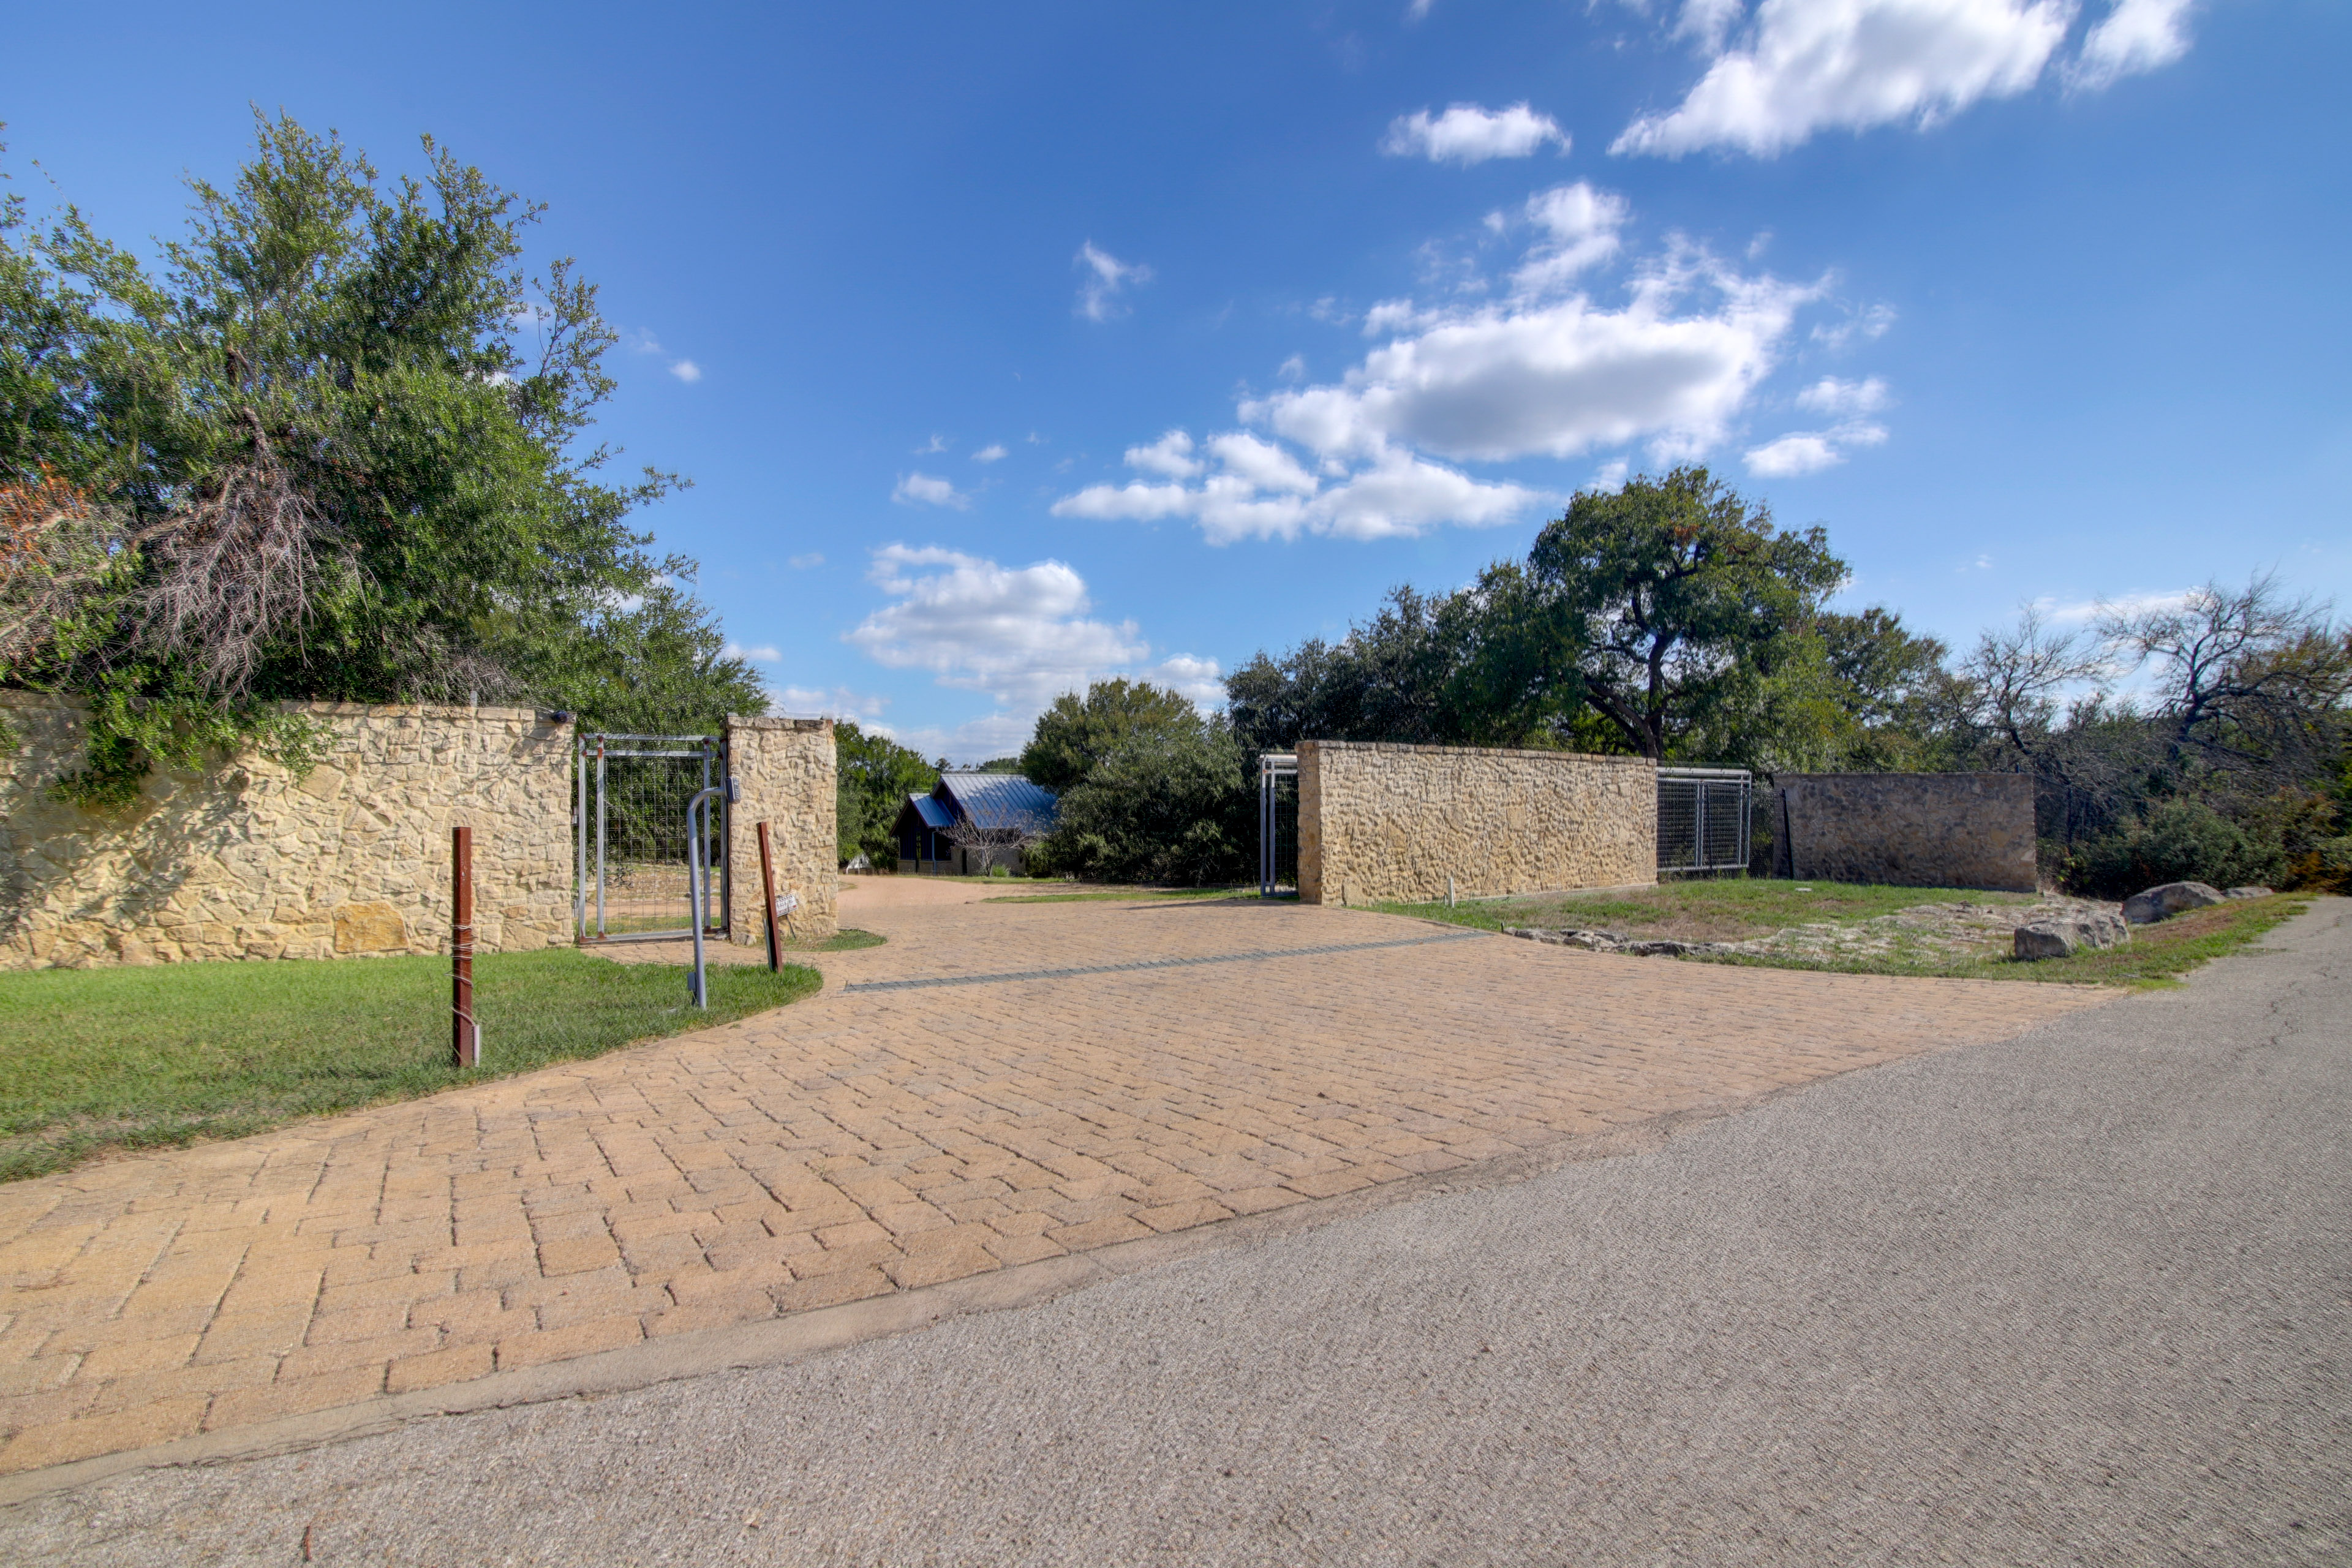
pixel 1546 372
pixel 1870 322
pixel 929 489
pixel 1467 133
pixel 766 653
pixel 2082 612
pixel 1105 277
pixel 1810 451
pixel 992 452
pixel 1020 635
pixel 1805 66
pixel 1580 225
pixel 1292 369
pixel 826 702
pixel 686 369
pixel 2136 35
pixel 1502 381
pixel 1844 399
pixel 802 562
pixel 938 443
pixel 1172 455
pixel 1202 679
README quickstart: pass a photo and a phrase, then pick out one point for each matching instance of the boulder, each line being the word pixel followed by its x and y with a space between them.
pixel 2247 893
pixel 2172 899
pixel 2062 936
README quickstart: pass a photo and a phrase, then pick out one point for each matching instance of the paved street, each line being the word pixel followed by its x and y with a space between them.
pixel 998 1085
pixel 2084 1295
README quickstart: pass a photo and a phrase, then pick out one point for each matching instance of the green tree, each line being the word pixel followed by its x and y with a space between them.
pixel 1167 804
pixel 342 447
pixel 874 775
pixel 1666 587
pixel 1078 731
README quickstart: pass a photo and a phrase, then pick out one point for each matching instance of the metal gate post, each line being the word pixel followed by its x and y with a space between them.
pixel 601 810
pixel 579 827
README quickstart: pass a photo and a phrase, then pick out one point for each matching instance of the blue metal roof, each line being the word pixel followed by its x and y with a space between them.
pixel 934 813
pixel 1001 800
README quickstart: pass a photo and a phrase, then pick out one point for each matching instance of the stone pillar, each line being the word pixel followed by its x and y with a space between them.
pixel 786 769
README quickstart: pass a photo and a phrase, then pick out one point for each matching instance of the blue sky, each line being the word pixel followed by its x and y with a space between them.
pixel 1010 346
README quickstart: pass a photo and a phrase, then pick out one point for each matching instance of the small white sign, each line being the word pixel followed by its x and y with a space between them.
pixel 787 903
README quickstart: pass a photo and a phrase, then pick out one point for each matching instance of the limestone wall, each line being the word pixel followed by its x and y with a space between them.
pixel 245 861
pixel 786 771
pixel 1391 824
pixel 1908 830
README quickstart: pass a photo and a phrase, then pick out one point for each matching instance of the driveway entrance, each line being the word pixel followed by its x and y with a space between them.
pixel 999 1084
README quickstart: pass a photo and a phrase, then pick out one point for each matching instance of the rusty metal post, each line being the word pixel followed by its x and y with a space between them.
pixel 768 901
pixel 465 1034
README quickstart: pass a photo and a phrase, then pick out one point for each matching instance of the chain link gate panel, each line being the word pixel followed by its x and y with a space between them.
pixel 1703 820
pixel 1277 824
pixel 635 851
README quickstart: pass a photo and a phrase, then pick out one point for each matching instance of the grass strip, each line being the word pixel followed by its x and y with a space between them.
pixel 93 1060
pixel 1729 909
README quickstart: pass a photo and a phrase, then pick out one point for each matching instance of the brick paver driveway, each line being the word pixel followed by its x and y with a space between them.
pixel 1068 1076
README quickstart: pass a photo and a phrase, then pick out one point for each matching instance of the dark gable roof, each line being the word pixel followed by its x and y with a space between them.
pixel 928 812
pixel 1001 800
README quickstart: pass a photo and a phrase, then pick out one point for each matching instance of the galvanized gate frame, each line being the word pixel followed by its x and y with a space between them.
pixel 596 749
pixel 1727 789
pixel 1272 766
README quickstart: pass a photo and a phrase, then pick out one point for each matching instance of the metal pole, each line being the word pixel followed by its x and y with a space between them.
pixel 580 824
pixel 465 1034
pixel 602 806
pixel 1698 825
pixel 698 887
pixel 724 845
pixel 768 901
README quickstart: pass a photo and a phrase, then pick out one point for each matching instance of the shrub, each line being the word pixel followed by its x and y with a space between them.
pixel 1166 806
pixel 2177 841
pixel 2327 866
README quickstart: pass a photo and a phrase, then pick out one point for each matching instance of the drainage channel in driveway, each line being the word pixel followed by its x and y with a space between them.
pixel 1153 963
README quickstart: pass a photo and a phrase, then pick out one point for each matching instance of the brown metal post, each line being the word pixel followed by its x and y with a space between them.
pixel 465 1034
pixel 768 901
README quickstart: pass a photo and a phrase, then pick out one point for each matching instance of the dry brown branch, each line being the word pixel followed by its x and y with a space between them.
pixel 234 567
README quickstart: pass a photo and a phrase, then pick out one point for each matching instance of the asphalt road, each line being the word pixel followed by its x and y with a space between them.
pixel 2085 1296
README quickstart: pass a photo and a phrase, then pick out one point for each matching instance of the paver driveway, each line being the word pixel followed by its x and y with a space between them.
pixel 1072 1075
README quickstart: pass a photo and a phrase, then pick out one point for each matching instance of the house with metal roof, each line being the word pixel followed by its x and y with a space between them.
pixel 969 823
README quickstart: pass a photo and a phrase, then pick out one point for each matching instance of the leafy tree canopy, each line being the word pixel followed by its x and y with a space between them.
pixel 1078 731
pixel 337 446
pixel 874 775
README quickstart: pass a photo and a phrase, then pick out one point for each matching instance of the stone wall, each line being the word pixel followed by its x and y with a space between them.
pixel 1908 830
pixel 247 861
pixel 786 771
pixel 1388 823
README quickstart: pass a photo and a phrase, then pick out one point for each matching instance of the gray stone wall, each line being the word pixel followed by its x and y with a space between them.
pixel 786 771
pixel 1907 830
pixel 247 861
pixel 1390 824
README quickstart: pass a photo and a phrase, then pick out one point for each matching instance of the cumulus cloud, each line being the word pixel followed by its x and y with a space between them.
pixel 765 653
pixel 1844 399
pixel 1550 370
pixel 1672 365
pixel 1019 634
pixel 1872 322
pixel 1579 227
pixel 929 489
pixel 686 369
pixel 802 562
pixel 826 702
pixel 1806 65
pixel 1104 278
pixel 990 453
pixel 1172 455
pixel 2136 35
pixel 1202 679
pixel 1467 133
pixel 1810 451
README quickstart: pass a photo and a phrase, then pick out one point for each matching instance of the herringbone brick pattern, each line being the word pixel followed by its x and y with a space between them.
pixel 866 1142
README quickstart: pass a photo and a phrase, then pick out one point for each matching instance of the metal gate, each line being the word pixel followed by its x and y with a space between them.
pixel 1703 819
pixel 634 872
pixel 1277 824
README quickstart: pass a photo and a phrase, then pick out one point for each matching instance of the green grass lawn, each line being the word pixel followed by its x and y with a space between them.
pixel 847 939
pixel 1130 896
pixel 99 1059
pixel 1736 910
pixel 1730 910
